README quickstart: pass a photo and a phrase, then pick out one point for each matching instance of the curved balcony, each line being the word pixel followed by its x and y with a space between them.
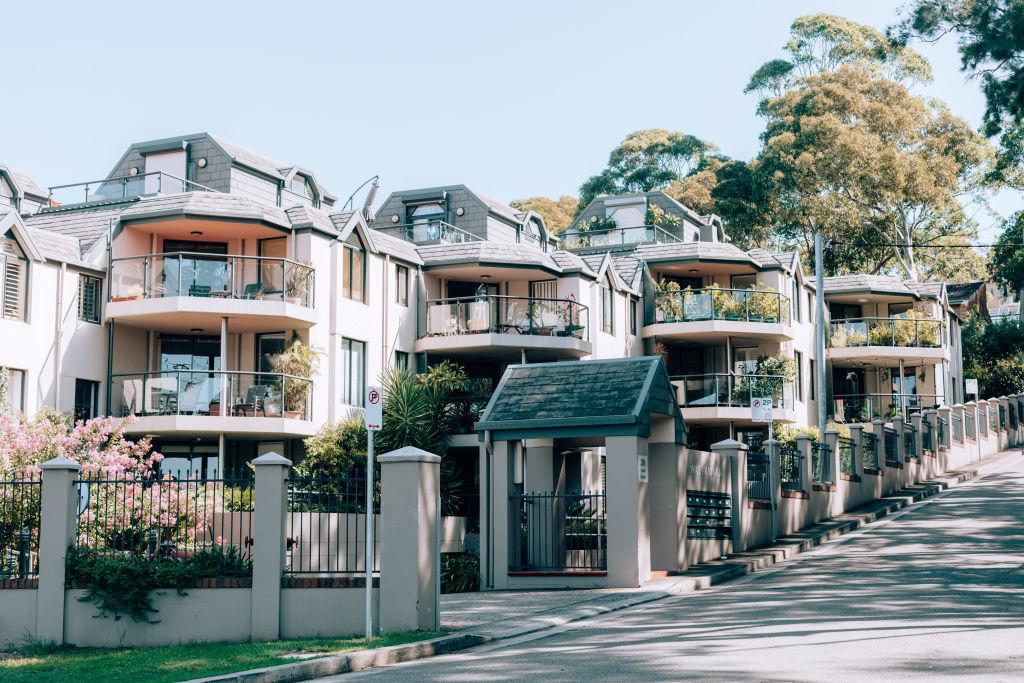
pixel 183 401
pixel 718 398
pixel 425 233
pixel 886 341
pixel 867 407
pixel 706 315
pixel 179 291
pixel 581 238
pixel 505 326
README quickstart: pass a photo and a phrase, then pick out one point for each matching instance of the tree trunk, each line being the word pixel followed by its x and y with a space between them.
pixel 1020 304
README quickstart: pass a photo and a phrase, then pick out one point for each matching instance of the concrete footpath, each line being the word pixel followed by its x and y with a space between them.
pixel 476 618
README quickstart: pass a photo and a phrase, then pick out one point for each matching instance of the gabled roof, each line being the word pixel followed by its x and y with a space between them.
pixel 397 247
pixel 694 251
pixel 23 181
pixel 866 283
pixel 487 252
pixel 86 224
pixel 959 292
pixel 582 398
pixel 57 247
pixel 499 208
pixel 571 263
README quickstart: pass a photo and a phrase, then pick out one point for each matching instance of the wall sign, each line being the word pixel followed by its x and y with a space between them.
pixel 641 469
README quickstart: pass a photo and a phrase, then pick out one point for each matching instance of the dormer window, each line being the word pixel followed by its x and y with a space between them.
pixel 301 186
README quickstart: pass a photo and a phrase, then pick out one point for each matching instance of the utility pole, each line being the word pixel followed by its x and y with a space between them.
pixel 819 333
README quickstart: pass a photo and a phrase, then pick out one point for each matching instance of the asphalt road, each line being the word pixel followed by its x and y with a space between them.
pixel 935 591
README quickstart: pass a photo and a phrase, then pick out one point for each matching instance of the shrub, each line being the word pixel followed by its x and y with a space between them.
pixel 460 572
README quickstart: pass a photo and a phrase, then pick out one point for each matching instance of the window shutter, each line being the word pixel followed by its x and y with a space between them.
pixel 13 289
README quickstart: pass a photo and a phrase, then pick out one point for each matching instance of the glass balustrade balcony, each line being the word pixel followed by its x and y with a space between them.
pixel 492 314
pixel 120 189
pixel 613 237
pixel 429 232
pixel 744 305
pixel 734 391
pixel 867 407
pixel 211 393
pixel 892 332
pixel 211 275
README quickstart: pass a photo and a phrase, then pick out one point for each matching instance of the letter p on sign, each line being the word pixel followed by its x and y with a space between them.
pixel 374 409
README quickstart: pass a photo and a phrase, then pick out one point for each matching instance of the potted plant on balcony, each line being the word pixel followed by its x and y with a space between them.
pixel 764 305
pixel 732 308
pixel 881 334
pixel 301 362
pixel 670 302
pixel 131 293
pixel 721 302
pixel 296 282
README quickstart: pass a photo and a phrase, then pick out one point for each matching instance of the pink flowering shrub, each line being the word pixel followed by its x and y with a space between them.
pixel 120 500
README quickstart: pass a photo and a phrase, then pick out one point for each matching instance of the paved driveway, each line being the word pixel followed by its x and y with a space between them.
pixel 936 591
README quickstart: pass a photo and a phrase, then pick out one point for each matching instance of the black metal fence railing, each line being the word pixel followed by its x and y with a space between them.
pixel 943 429
pixel 927 438
pixel 869 444
pixel 553 531
pixel 891 453
pixel 1002 418
pixel 184 518
pixel 758 463
pixel 958 429
pixel 325 526
pixel 909 441
pixel 846 447
pixel 969 427
pixel 20 498
pixel 993 426
pixel 820 459
pixel 790 468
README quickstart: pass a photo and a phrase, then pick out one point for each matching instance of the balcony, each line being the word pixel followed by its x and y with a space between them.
pixel 184 401
pixel 616 237
pixel 867 407
pixel 886 341
pixel 119 189
pixel 427 233
pixel 707 315
pixel 179 291
pixel 505 326
pixel 724 397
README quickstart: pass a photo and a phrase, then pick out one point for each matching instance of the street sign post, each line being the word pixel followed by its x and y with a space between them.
pixel 374 419
pixel 972 388
pixel 761 411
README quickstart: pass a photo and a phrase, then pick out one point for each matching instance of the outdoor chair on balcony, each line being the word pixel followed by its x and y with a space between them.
pixel 253 291
pixel 516 321
pixel 255 402
pixel 199 290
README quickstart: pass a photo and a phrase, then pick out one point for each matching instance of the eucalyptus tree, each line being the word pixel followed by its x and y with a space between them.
pixel 557 213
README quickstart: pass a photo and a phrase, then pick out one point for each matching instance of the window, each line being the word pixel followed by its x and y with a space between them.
pixel 353 269
pixel 272 269
pixel 268 348
pixel 811 310
pixel 607 309
pixel 744 281
pixel 353 372
pixel 814 380
pixel 745 361
pixel 89 298
pixel 6 192
pixel 86 393
pixel 899 310
pixel 844 311
pixel 13 278
pixel 633 311
pixel 301 186
pixel 799 375
pixel 796 301
pixel 402 360
pixel 15 388
pixel 401 284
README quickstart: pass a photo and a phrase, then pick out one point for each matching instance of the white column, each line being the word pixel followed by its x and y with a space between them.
pixel 56 532
pixel 270 505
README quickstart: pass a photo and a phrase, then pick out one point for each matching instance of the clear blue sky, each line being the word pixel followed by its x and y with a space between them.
pixel 514 99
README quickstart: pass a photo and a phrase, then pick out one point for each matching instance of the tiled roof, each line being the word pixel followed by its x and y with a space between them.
pixel 959 292
pixel 87 225
pixel 499 208
pixel 250 158
pixel 594 262
pixel 879 283
pixel 628 268
pixel 24 180
pixel 396 246
pixel 56 246
pixel 929 290
pixel 788 259
pixel 209 204
pixel 697 251
pixel 596 393
pixel 489 252
pixel 304 216
pixel 571 263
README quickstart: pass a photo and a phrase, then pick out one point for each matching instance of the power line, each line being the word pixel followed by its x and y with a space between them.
pixel 922 246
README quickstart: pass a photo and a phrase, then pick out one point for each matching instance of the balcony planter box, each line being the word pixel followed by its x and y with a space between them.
pixel 755 318
pixel 293 414
pixel 126 298
pixel 768 320
pixel 733 316
pixel 292 300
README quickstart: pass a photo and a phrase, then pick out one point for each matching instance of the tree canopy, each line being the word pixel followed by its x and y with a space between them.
pixel 646 160
pixel 1007 256
pixel 859 158
pixel 557 214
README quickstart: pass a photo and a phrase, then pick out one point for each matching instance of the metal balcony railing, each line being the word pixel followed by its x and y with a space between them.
pixel 577 238
pixel 866 407
pixel 211 275
pixel 727 390
pixel 746 305
pixel 211 392
pixel 120 188
pixel 429 232
pixel 491 313
pixel 902 332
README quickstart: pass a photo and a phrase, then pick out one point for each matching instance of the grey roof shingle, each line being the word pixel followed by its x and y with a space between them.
pixel 207 204
pixel 56 246
pixel 959 292
pixel 499 208
pixel 929 290
pixel 251 159
pixel 571 263
pixel 628 268
pixel 696 251
pixel 87 224
pixel 874 283
pixel 396 246
pixel 24 181
pixel 487 252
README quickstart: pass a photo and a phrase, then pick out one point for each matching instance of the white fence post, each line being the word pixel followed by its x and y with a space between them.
pixel 270 504
pixel 59 506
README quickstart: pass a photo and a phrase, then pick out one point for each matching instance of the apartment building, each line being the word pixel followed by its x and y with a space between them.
pixel 168 289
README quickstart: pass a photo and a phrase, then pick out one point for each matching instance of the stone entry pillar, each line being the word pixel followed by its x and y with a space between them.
pixel 629 545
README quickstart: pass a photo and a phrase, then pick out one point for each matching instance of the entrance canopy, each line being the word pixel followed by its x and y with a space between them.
pixel 591 398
